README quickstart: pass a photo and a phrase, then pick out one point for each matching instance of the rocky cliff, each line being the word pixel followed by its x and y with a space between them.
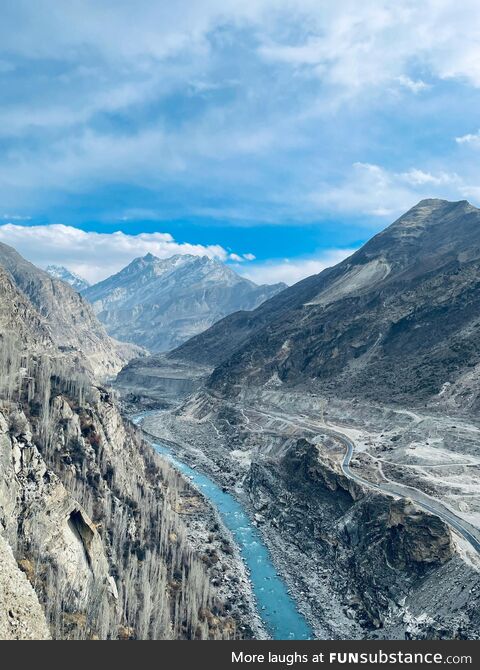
pixel 100 526
pixel 70 320
pixel 392 566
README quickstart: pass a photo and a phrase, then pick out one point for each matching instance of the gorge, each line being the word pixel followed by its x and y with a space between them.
pixel 260 402
pixel 276 607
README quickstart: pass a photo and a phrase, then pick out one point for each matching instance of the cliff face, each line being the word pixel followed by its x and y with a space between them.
pixel 69 318
pixel 392 565
pixel 99 538
pixel 95 521
pixel 52 537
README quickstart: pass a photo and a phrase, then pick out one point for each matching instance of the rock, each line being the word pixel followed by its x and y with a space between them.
pixel 417 537
pixel 21 615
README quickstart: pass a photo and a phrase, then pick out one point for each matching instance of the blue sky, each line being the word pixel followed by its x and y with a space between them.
pixel 288 131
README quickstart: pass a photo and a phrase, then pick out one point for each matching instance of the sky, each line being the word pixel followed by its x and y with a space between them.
pixel 276 136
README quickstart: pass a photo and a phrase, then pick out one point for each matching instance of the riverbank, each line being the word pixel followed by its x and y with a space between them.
pixel 291 565
pixel 278 609
pixel 209 537
pixel 359 564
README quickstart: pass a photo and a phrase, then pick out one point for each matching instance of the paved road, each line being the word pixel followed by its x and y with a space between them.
pixel 465 529
pixel 469 532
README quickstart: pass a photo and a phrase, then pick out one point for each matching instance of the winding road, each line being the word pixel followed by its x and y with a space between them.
pixel 462 527
pixel 466 530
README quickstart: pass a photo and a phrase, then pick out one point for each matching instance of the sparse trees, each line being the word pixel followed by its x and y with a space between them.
pixel 164 588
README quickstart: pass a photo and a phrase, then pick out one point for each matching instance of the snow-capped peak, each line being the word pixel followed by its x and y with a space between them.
pixel 63 273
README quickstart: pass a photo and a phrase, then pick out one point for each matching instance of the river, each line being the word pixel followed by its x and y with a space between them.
pixel 276 607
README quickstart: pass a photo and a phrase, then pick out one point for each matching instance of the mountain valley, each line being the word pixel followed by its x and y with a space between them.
pixel 339 419
pixel 240 330
pixel 377 353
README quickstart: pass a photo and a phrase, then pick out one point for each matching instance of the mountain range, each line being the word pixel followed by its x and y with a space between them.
pixel 159 303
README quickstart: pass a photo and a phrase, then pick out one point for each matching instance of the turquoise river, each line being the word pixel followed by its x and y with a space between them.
pixel 276 607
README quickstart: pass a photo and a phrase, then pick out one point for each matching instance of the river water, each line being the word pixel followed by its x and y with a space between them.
pixel 276 607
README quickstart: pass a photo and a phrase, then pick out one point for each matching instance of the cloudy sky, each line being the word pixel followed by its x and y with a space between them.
pixel 274 135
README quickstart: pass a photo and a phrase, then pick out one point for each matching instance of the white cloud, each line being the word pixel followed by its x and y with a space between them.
pixel 94 101
pixel 363 44
pixel 414 85
pixel 95 256
pixel 364 41
pixel 470 138
pixel 418 177
pixel 370 189
pixel 290 271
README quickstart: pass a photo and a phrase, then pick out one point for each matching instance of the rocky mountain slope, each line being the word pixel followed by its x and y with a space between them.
pixel 68 318
pixel 63 273
pixel 393 567
pixel 100 527
pixel 158 304
pixel 396 321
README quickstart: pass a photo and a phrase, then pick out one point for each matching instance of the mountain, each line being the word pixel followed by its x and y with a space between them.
pixel 63 273
pixel 63 313
pixel 159 303
pixel 19 319
pixel 397 321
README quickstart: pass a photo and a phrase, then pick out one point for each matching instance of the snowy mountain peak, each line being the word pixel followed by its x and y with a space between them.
pixel 63 273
